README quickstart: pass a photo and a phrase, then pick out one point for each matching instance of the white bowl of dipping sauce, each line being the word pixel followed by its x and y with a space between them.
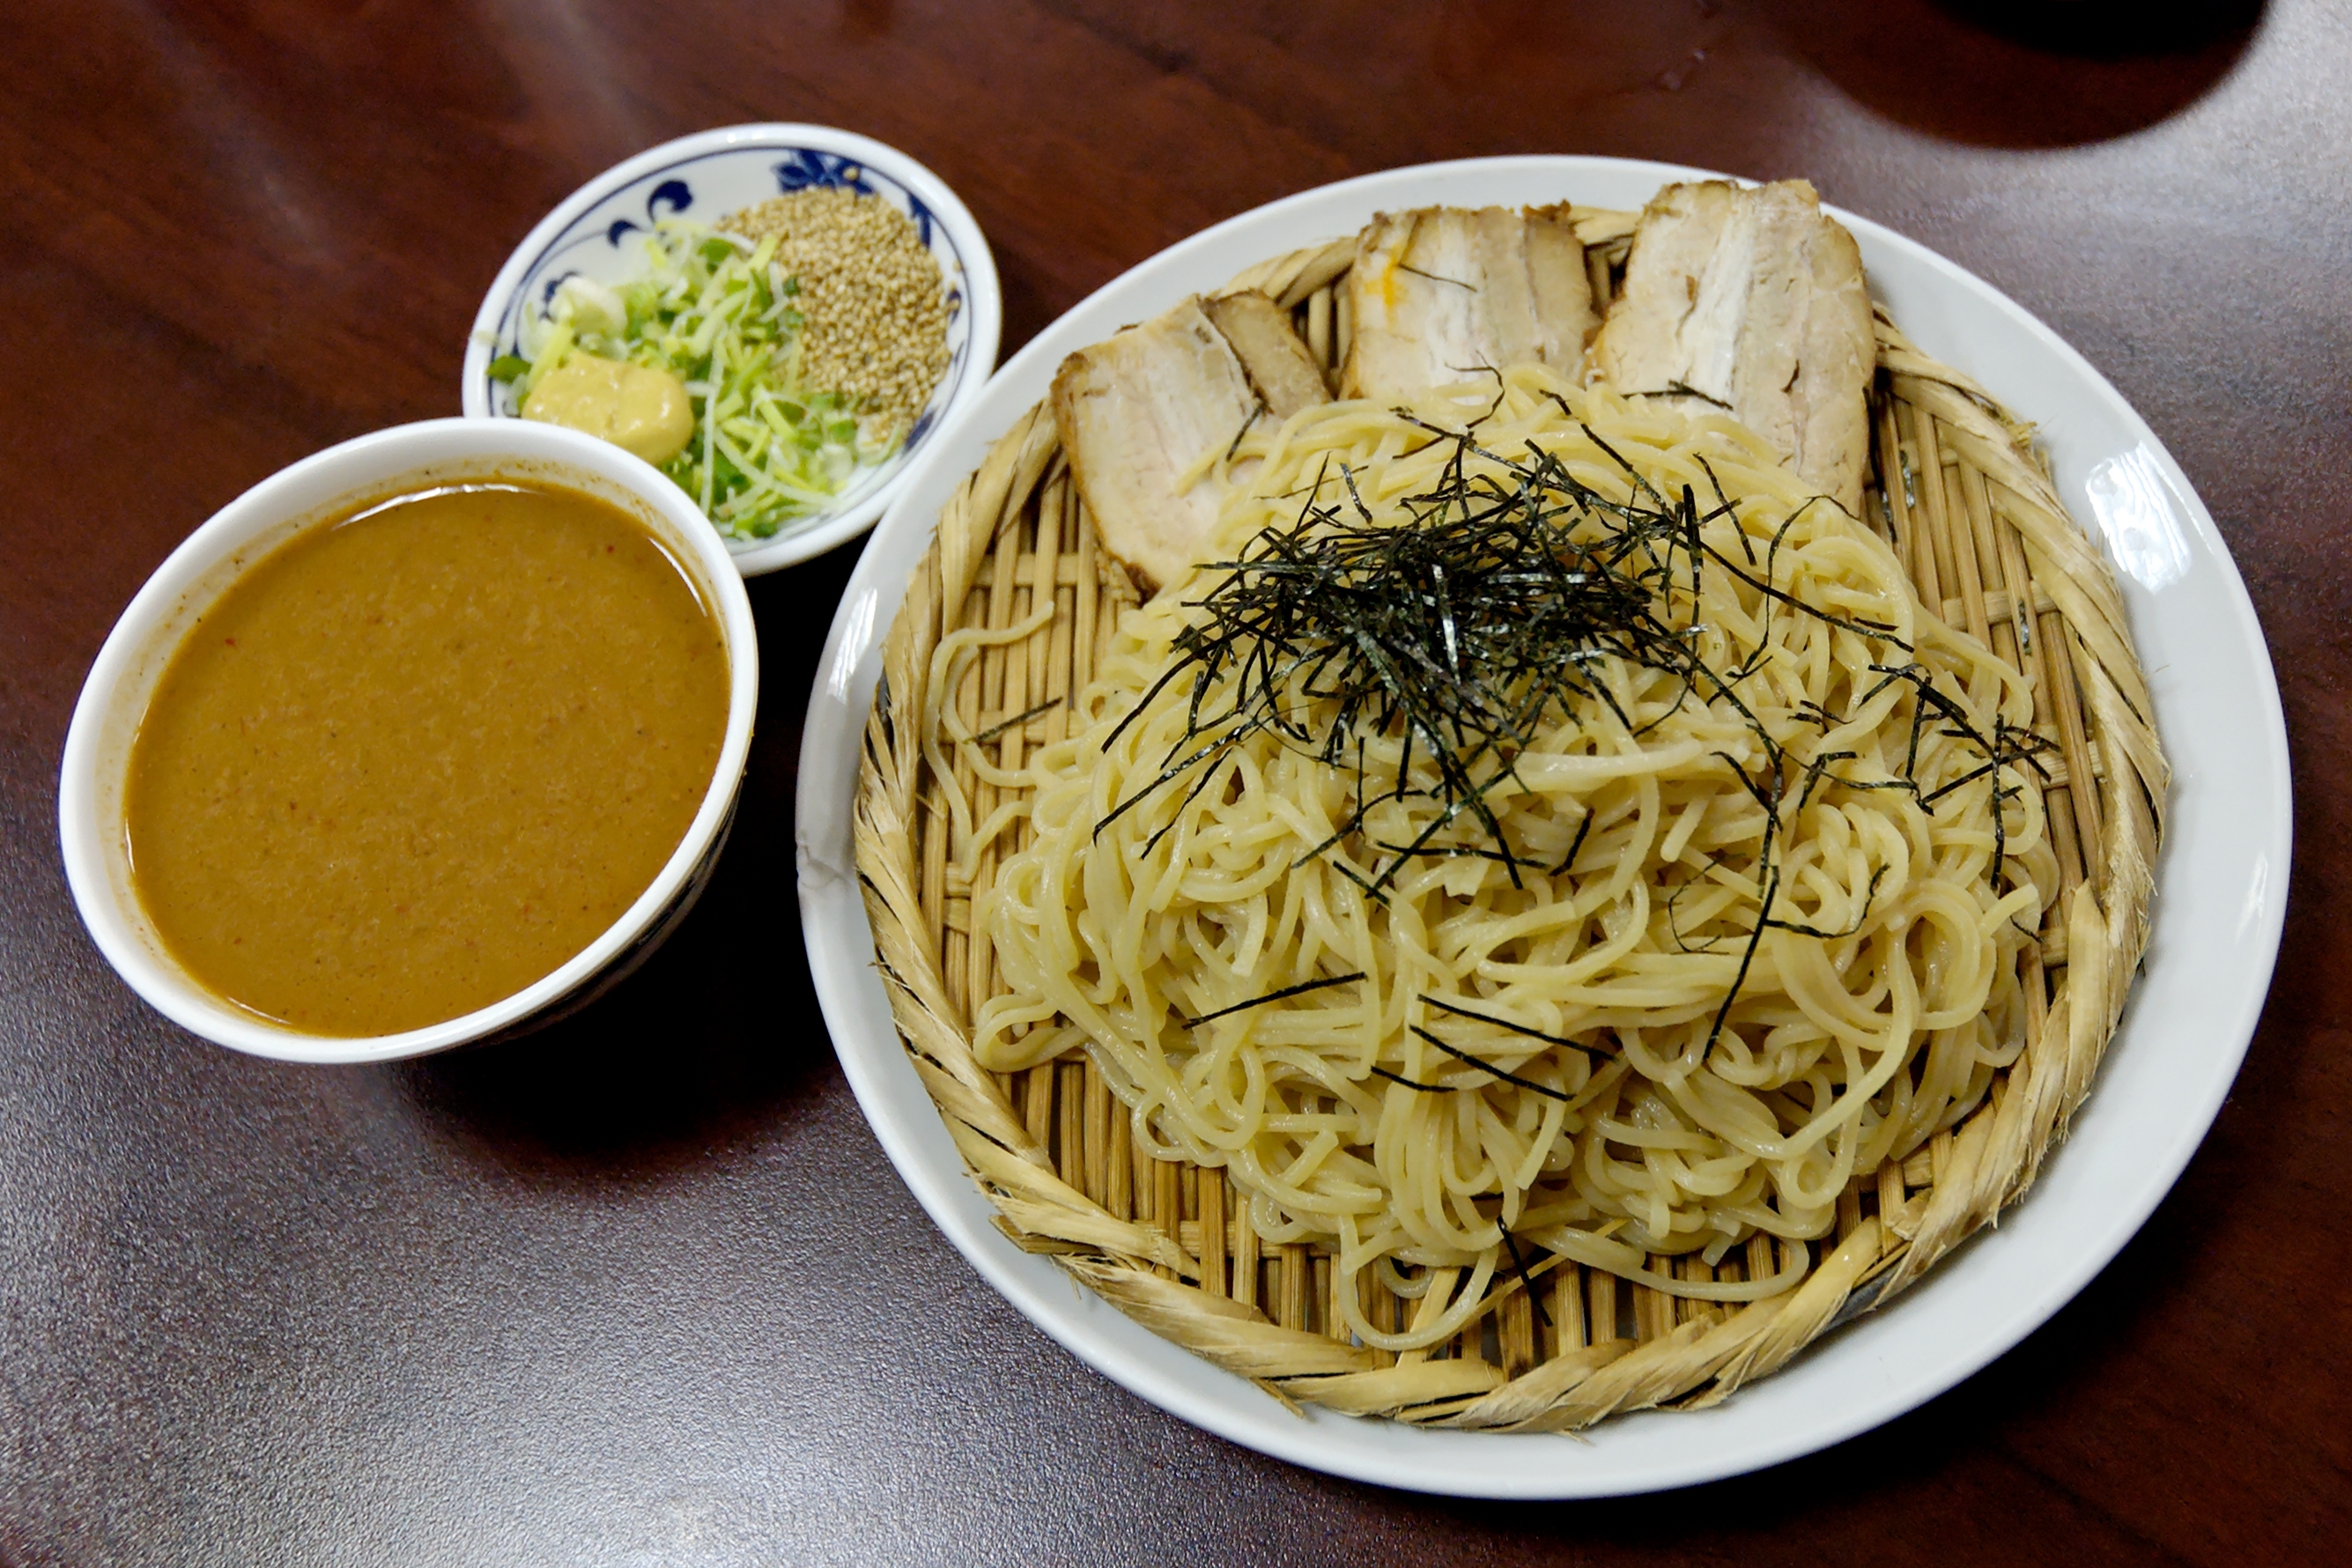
pixel 409 478
pixel 598 232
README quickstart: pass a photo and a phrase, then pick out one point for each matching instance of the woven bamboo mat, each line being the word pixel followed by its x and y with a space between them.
pixel 1969 507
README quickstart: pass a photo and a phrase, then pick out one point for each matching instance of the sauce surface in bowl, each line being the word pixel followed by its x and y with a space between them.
pixel 414 758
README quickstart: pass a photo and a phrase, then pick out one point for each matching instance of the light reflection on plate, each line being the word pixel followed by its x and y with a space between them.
pixel 2135 510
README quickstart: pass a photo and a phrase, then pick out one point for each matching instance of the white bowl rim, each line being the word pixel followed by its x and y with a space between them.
pixel 378 461
pixel 983 297
pixel 1875 1389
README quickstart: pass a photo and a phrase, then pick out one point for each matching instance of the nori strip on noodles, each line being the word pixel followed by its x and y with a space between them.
pixel 1470 630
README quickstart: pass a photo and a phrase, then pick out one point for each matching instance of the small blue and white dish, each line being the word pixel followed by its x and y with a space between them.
pixel 705 177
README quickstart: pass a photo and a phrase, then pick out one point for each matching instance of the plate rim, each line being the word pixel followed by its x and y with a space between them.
pixel 840 962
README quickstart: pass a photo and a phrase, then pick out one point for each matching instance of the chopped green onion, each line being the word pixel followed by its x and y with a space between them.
pixel 767 449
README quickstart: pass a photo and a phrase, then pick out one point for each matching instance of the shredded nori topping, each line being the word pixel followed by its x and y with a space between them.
pixel 1482 624
pixel 1272 996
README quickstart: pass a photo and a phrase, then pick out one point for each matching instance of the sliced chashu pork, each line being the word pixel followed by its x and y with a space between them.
pixel 1444 294
pixel 1278 365
pixel 1145 414
pixel 1752 298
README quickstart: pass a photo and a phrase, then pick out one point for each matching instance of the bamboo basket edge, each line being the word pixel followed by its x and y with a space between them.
pixel 1993 1157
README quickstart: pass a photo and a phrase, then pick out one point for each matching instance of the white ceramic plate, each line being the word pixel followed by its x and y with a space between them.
pixel 2220 895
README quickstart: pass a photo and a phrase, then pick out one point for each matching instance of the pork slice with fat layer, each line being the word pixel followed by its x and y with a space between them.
pixel 1145 415
pixel 1449 294
pixel 1754 298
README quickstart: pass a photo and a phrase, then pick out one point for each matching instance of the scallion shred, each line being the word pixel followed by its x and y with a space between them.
pixel 767 447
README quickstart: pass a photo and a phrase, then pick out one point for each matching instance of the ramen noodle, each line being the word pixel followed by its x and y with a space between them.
pixel 1544 829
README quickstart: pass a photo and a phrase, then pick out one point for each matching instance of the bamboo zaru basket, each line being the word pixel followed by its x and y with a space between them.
pixel 1958 491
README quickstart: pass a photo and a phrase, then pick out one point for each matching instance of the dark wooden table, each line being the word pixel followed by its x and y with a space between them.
pixel 644 1290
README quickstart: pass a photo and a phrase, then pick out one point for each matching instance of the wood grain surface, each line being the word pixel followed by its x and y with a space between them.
pixel 643 1289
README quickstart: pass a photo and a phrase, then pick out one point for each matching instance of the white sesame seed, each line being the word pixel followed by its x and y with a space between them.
pixel 874 306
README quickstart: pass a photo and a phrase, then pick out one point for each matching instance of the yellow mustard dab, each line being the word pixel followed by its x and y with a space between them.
pixel 636 407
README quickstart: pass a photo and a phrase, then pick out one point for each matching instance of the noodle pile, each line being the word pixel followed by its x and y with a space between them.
pixel 1710 929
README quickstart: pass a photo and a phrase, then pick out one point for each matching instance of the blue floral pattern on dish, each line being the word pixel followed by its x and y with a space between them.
pixel 806 167
pixel 674 192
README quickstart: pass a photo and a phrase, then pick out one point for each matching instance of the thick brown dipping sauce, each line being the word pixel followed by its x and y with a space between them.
pixel 416 757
